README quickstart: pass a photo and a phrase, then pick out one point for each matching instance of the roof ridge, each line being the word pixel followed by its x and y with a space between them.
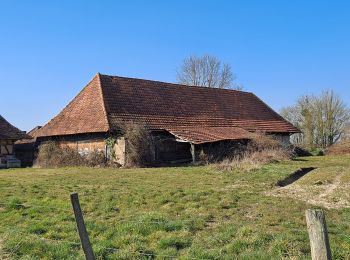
pixel 98 75
pixel 177 84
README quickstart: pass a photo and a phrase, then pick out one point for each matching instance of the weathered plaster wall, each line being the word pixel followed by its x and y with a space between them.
pixel 85 146
pixel 119 149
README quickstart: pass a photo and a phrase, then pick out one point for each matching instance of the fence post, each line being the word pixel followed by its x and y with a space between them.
pixel 84 238
pixel 318 235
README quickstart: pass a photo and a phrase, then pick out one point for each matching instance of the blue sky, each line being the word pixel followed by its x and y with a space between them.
pixel 279 50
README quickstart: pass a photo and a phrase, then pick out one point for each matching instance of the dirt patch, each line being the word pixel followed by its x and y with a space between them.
pixel 294 176
pixel 233 187
pixel 331 187
pixel 325 194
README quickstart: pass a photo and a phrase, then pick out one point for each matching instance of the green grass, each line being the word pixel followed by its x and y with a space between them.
pixel 186 212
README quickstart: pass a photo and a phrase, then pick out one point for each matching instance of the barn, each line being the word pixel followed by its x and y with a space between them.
pixel 8 135
pixel 185 119
pixel 26 149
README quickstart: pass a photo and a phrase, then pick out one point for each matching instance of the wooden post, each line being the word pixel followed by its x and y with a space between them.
pixel 84 238
pixel 193 152
pixel 319 241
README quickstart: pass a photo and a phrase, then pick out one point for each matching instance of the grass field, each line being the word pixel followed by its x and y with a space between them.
pixel 180 212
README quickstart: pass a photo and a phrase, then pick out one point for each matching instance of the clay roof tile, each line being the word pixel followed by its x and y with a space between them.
pixel 8 131
pixel 108 101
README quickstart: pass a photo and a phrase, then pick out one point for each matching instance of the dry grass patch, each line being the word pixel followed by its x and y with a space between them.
pixel 261 150
pixel 254 160
pixel 340 148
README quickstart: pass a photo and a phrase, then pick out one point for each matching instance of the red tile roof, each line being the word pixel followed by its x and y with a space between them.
pixel 109 100
pixel 202 135
pixel 32 136
pixel 8 131
pixel 84 114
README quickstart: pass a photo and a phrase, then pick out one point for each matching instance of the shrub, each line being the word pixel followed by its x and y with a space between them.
pixel 110 143
pixel 253 160
pixel 262 149
pixel 260 141
pixel 340 148
pixel 138 145
pixel 216 152
pixel 45 152
pixel 95 158
pixel 51 154
pixel 15 203
pixel 317 151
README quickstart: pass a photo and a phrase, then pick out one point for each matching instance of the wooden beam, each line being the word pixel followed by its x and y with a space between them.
pixel 193 152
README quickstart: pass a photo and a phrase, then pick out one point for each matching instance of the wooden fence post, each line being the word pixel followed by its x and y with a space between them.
pixel 84 238
pixel 318 234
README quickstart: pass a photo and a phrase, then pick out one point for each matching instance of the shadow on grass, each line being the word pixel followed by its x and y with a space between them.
pixel 294 176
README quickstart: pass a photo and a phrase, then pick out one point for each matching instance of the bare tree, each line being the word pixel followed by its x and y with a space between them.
pixel 206 71
pixel 334 114
pixel 293 114
pixel 322 119
pixel 346 135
